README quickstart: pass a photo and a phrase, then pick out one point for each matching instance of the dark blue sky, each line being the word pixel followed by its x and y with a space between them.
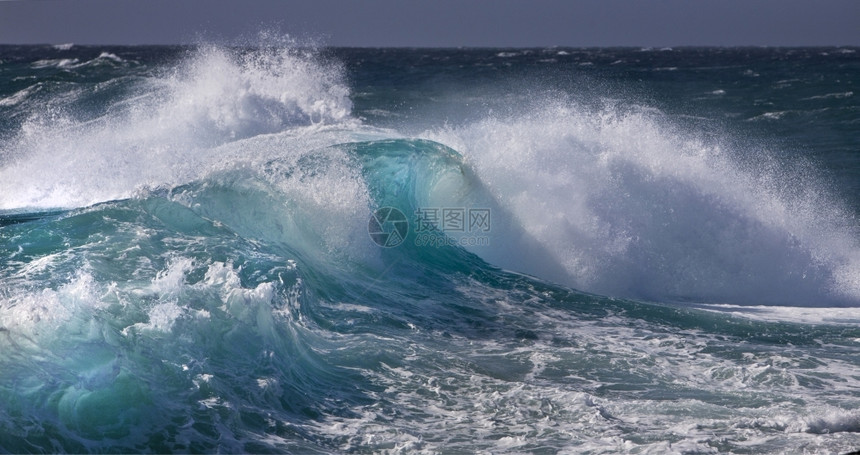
pixel 438 23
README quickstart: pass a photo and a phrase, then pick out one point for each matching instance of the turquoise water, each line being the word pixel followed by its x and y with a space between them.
pixel 278 248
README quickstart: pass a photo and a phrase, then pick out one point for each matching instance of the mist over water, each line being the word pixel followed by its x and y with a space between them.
pixel 185 262
pixel 632 206
pixel 167 129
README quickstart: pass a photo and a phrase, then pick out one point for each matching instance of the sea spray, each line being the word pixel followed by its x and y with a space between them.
pixel 168 130
pixel 631 206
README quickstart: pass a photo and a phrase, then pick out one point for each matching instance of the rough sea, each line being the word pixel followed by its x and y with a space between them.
pixel 278 248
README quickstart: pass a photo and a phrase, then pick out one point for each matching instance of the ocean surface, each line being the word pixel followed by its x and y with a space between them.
pixel 283 248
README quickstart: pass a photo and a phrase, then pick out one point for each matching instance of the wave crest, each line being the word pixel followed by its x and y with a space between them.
pixel 166 129
pixel 630 206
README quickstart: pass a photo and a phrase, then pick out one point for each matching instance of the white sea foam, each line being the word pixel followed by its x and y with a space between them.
pixel 55 63
pixel 46 316
pixel 18 96
pixel 582 386
pixel 775 115
pixel 838 95
pixel 800 315
pixel 631 206
pixel 167 135
pixel 110 56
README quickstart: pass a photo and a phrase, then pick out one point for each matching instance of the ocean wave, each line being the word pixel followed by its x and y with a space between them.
pixel 151 320
pixel 169 133
pixel 631 207
pixel 775 115
pixel 218 277
pixel 839 95
pixel 20 96
pixel 613 201
pixel 55 63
